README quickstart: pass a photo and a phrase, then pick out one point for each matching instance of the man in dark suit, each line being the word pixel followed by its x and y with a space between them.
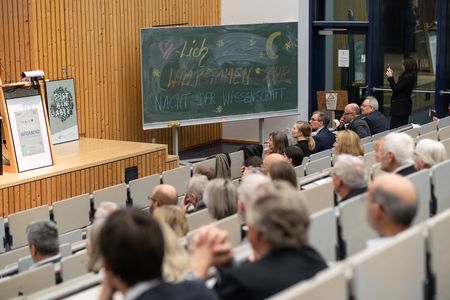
pixel 322 136
pixel 352 120
pixel 132 248
pixel 376 120
pixel 349 176
pixel 397 149
pixel 278 232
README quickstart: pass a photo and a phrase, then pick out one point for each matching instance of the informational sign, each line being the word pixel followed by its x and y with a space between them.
pixel 331 100
pixel 343 58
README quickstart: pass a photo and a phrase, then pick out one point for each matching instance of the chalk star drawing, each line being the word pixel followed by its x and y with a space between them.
pixel 156 72
pixel 288 45
pixel 258 71
pixel 220 43
pixel 219 109
pixel 252 42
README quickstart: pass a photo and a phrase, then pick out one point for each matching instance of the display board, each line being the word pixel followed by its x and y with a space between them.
pixel 198 75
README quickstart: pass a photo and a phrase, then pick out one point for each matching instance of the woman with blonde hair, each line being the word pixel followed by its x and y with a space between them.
pixel 428 153
pixel 277 142
pixel 176 258
pixel 174 217
pixel 348 142
pixel 301 132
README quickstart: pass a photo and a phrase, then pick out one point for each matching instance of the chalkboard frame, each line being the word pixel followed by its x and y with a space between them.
pixel 222 118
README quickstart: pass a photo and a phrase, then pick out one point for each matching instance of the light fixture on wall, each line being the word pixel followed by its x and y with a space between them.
pixel 33 76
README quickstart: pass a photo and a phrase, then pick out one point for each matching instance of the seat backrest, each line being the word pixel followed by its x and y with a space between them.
pixel 379 135
pixel 319 155
pixel 74 265
pixel 28 282
pixel 330 284
pixel 199 218
pixel 2 235
pixel 65 249
pixel 440 174
pixel 116 193
pixel 355 229
pixel 421 180
pixel 13 256
pixel 323 233
pixel 432 135
pixel 444 122
pixel 439 249
pixel 368 147
pixel 72 213
pixel 412 132
pixel 369 159
pixel 299 171
pixel 446 144
pixel 366 140
pixel 444 133
pixel 428 127
pixel 18 223
pixel 395 270
pixel 178 177
pixel 237 161
pixel 24 263
pixel 72 237
pixel 318 165
pixel 211 163
pixel 141 189
pixel 319 197
pixel 230 224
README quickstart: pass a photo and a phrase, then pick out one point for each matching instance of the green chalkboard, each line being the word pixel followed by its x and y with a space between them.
pixel 201 75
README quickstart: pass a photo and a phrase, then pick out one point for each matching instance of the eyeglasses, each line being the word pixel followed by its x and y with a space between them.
pixel 314 119
pixel 348 113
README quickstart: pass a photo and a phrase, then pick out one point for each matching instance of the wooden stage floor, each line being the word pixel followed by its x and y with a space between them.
pixel 81 167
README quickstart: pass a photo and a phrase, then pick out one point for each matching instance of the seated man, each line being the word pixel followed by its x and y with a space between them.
pixel 352 120
pixel 396 153
pixel 43 243
pixel 391 206
pixel 349 176
pixel 322 136
pixel 132 249
pixel 163 194
pixel 193 200
pixel 376 120
pixel 278 233
pixel 272 159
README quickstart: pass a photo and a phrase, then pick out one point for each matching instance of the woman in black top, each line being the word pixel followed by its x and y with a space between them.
pixel 401 103
pixel 301 131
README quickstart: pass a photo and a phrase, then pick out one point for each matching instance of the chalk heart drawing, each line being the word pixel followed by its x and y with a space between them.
pixel 166 48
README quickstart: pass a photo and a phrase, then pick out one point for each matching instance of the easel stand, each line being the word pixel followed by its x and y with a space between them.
pixel 8 138
pixel 325 101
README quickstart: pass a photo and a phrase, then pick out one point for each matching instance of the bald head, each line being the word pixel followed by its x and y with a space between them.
pixel 272 159
pixel 163 194
pixel 392 204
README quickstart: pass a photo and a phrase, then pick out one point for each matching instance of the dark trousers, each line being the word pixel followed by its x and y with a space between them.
pixel 397 121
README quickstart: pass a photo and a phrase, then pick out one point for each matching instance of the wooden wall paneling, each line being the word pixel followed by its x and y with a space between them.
pixel 11 202
pixel 33 196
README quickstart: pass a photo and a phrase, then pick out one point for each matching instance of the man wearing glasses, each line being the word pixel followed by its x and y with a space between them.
pixel 163 194
pixel 322 136
pixel 352 120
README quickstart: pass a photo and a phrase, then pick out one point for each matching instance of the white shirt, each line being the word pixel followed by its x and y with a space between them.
pixel 50 259
pixel 376 242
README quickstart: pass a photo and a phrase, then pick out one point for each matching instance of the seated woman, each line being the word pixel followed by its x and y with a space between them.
pixel 294 154
pixel 174 217
pixel 348 142
pixel 277 142
pixel 301 132
pixel 428 153
pixel 220 198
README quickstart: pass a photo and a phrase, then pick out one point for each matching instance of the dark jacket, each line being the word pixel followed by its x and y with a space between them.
pixel 270 275
pixel 324 140
pixel 407 171
pixel 186 290
pixel 304 146
pixel 358 125
pixel 401 103
pixel 377 122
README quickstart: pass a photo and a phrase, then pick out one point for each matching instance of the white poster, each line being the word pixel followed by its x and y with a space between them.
pixel 343 58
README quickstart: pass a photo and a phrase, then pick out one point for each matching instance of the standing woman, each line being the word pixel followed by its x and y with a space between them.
pixel 301 131
pixel 401 103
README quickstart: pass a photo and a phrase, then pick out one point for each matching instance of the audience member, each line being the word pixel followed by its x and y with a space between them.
pixel 323 138
pixel 277 142
pixel 176 259
pixel 349 176
pixel 428 153
pixel 251 162
pixel 377 149
pixel 163 194
pixel 104 209
pixel 348 142
pixel 397 150
pixel 132 248
pixel 375 119
pixel 301 132
pixel 174 217
pixel 207 171
pixel 43 243
pixel 294 154
pixel 220 198
pixel 352 120
pixel 270 160
pixel 193 200
pixel 278 233
pixel 247 189
pixel 391 206
pixel 283 171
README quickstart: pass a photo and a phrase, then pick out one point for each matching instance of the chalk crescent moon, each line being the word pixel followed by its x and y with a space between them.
pixel 269 45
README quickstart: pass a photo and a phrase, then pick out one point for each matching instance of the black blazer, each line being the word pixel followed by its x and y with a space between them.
pixel 324 140
pixel 401 103
pixel 407 171
pixel 304 146
pixel 358 125
pixel 185 290
pixel 270 275
pixel 377 122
